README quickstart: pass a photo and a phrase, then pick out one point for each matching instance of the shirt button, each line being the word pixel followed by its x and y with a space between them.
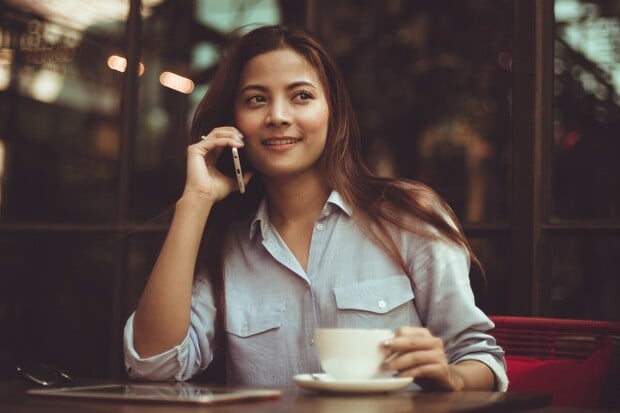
pixel 381 304
pixel 326 211
pixel 244 328
pixel 320 226
pixel 312 341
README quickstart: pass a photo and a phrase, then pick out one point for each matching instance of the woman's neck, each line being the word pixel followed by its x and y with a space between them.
pixel 297 199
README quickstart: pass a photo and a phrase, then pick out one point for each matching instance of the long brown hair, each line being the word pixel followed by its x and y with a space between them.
pixel 377 202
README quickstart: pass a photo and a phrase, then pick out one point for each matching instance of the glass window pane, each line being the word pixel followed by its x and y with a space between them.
pixel 57 300
pixel 59 107
pixel 430 82
pixel 586 171
pixel 584 279
pixel 143 251
pixel 493 291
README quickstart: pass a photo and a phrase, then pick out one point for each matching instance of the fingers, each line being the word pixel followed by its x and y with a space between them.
pixel 202 173
pixel 413 359
pixel 413 339
pixel 222 136
pixel 417 353
pixel 214 142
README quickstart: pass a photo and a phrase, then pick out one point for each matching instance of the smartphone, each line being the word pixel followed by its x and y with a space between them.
pixel 238 171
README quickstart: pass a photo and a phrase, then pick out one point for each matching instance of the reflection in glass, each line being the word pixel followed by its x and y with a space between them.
pixel 59 106
pixel 586 170
pixel 431 87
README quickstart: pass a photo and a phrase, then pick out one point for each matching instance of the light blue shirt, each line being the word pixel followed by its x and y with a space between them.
pixel 273 305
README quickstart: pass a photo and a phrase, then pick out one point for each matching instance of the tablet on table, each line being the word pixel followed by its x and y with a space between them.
pixel 160 392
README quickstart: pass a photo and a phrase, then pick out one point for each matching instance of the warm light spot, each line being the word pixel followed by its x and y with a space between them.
pixel 6 56
pixel 5 76
pixel 46 85
pixel 119 64
pixel 6 59
pixel 176 82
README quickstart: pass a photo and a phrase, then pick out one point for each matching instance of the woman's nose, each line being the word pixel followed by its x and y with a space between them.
pixel 278 115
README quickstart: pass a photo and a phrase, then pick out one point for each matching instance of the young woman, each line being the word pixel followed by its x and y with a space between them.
pixel 317 240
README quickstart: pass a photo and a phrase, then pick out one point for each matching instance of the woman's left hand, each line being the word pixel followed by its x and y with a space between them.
pixel 421 355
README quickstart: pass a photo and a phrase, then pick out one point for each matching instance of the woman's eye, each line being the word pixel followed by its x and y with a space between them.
pixel 255 99
pixel 303 96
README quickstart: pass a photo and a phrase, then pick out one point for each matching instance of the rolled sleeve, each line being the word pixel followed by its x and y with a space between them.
pixel 184 360
pixel 163 366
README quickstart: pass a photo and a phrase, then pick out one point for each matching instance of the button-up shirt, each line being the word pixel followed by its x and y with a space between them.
pixel 273 305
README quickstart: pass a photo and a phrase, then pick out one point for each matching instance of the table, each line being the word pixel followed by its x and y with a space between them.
pixel 13 399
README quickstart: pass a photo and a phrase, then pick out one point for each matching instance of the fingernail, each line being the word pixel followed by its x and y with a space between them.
pixel 203 137
pixel 386 343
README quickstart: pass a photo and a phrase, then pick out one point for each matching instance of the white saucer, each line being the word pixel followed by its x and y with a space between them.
pixel 324 382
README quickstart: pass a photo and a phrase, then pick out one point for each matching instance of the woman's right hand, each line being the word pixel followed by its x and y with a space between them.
pixel 203 177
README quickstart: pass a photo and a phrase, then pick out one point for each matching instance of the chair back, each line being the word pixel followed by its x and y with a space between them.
pixel 551 339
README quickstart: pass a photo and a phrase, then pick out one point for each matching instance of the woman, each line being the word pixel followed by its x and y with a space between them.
pixel 317 240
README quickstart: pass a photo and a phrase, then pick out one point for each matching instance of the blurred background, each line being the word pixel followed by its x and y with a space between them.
pixel 508 108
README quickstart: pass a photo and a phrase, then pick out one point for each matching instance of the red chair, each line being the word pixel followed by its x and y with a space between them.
pixel 576 361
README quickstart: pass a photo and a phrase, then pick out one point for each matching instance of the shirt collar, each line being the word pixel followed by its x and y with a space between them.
pixel 261 219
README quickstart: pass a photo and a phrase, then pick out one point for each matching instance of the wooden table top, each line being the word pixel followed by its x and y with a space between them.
pixel 13 399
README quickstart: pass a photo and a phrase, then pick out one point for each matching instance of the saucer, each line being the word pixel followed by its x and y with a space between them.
pixel 324 382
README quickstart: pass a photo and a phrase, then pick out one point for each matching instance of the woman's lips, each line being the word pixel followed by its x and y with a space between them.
pixel 280 141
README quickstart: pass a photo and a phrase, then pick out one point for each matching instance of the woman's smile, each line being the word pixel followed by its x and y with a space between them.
pixel 280 143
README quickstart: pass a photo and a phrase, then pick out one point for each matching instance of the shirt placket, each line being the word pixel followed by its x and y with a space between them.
pixel 318 243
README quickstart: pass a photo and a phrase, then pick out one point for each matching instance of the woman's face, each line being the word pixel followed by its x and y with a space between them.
pixel 281 109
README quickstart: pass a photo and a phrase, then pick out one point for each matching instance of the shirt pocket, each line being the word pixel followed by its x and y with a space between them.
pixel 247 321
pixel 254 332
pixel 379 303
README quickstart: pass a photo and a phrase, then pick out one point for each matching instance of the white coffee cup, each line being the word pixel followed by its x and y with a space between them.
pixel 351 353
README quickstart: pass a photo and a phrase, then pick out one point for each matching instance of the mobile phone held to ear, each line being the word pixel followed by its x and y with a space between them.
pixel 230 165
pixel 238 171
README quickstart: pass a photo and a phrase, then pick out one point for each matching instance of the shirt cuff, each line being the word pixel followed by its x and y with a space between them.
pixel 165 366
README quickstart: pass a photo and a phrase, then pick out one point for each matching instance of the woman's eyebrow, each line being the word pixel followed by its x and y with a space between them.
pixel 295 85
pixel 252 87
pixel 262 88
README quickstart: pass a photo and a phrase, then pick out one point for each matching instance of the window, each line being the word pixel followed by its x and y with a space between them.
pixel 584 207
